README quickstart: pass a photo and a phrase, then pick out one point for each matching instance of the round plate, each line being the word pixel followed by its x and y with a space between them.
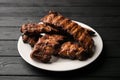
pixel 60 64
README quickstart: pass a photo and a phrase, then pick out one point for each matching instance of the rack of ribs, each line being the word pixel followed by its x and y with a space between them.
pixel 36 29
pixel 46 46
pixel 79 33
pixel 72 50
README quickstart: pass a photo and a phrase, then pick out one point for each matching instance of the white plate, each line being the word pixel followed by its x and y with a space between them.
pixel 61 64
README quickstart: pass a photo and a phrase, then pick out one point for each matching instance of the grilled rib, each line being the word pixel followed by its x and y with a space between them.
pixel 72 50
pixel 79 33
pixel 46 45
pixel 36 29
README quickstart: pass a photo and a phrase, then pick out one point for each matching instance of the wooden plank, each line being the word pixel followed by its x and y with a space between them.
pixel 111 48
pixel 9 48
pixel 101 67
pixel 55 78
pixel 95 22
pixel 14 33
pixel 109 33
pixel 17 21
pixel 102 22
pixel 9 33
pixel 71 3
pixel 40 11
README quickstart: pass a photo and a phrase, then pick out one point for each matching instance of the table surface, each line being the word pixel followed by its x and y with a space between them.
pixel 102 15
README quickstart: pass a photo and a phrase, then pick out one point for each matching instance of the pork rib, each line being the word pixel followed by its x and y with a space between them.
pixel 73 51
pixel 36 29
pixel 79 33
pixel 46 45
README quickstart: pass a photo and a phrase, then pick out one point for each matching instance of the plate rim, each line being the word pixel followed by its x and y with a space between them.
pixel 79 23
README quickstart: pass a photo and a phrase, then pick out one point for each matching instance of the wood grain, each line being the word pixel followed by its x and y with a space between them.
pixel 40 11
pixel 60 3
pixel 9 33
pixel 53 78
pixel 95 22
pixel 101 67
pixel 8 48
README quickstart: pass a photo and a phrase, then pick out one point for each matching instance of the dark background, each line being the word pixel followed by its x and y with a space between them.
pixel 102 15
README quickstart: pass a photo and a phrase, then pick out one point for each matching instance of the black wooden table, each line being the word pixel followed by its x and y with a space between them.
pixel 102 15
